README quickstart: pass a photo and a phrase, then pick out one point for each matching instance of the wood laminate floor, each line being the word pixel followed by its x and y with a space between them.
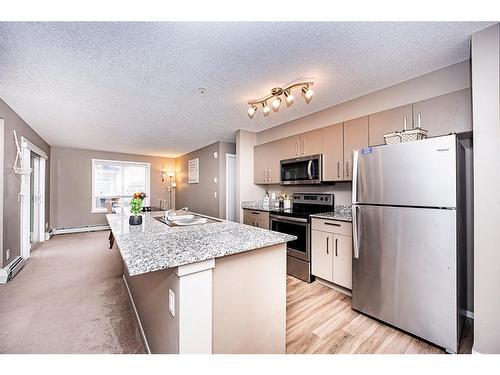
pixel 320 320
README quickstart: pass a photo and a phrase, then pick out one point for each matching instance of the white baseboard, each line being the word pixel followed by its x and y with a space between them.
pixel 137 316
pixel 87 228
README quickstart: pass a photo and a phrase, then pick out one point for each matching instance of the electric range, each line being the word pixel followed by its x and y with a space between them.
pixel 296 221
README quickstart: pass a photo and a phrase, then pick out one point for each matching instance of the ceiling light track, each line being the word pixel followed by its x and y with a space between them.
pixel 276 94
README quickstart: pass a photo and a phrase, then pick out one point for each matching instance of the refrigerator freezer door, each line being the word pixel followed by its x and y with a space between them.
pixel 405 270
pixel 419 173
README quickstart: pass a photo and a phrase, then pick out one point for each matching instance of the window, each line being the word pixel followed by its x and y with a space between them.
pixel 117 181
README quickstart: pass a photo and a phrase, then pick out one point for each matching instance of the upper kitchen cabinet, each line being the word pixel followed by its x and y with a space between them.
pixel 267 163
pixel 450 113
pixel 355 137
pixel 309 143
pixel 333 152
pixel 387 122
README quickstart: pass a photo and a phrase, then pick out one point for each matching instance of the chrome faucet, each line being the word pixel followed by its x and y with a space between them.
pixel 172 212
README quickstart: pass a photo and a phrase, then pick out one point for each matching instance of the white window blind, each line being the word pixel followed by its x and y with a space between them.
pixel 117 181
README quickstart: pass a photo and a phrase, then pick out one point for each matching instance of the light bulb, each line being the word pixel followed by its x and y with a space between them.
pixel 251 111
pixel 276 104
pixel 289 98
pixel 265 109
pixel 308 93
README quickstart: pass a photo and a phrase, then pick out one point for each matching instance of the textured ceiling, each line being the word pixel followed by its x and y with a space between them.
pixel 133 87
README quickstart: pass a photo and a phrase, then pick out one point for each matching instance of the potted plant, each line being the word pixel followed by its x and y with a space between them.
pixel 135 208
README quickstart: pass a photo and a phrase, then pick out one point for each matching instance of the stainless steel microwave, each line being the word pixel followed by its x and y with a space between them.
pixel 305 170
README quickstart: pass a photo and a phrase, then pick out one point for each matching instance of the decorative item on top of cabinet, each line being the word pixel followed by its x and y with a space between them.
pixel 387 122
pixel 331 251
pixel 355 138
pixel 333 152
pixel 445 114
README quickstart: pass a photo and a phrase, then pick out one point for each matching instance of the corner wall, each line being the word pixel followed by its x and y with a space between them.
pixel 12 182
pixel 71 184
pixel 206 197
pixel 486 132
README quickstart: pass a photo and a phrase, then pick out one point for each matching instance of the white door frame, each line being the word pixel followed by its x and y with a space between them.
pixel 2 148
pixel 229 156
pixel 26 148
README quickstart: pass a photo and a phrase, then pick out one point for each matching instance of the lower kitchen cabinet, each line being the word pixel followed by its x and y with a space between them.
pixel 331 251
pixel 321 255
pixel 259 219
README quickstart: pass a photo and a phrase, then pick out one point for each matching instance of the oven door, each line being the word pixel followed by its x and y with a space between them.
pixel 296 227
pixel 301 171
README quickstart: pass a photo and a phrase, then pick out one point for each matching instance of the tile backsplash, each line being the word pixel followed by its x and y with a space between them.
pixel 341 190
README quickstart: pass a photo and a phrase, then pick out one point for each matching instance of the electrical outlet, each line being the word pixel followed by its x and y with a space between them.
pixel 7 254
pixel 215 180
pixel 171 302
pixel 215 155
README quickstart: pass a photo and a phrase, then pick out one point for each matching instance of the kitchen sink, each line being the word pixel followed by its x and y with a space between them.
pixel 186 220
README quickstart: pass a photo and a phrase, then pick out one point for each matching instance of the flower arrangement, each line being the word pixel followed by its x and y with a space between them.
pixel 136 202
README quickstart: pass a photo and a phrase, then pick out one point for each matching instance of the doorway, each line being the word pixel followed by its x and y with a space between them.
pixel 32 198
pixel 231 187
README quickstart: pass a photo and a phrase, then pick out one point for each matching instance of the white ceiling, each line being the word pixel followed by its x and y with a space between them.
pixel 133 87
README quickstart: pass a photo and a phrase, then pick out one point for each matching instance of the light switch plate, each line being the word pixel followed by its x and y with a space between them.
pixel 215 180
pixel 171 302
pixel 215 194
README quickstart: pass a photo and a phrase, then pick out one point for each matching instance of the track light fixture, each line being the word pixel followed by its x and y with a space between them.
pixel 276 93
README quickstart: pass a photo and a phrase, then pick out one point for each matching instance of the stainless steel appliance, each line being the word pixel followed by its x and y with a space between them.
pixel 408 233
pixel 305 170
pixel 296 221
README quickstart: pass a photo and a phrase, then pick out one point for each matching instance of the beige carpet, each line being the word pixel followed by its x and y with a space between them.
pixel 69 298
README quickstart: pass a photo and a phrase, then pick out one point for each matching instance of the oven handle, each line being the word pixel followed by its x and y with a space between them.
pixel 289 219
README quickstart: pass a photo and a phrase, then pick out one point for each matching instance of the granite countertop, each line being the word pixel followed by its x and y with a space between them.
pixel 154 246
pixel 340 213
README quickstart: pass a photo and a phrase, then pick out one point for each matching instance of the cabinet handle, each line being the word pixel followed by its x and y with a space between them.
pixel 257 224
pixel 265 175
pixel 419 120
pixel 297 148
pixel 333 224
pixel 347 168
pixel 255 213
pixel 327 245
pixel 405 122
pixel 303 146
pixel 338 168
pixel 336 247
pixel 268 174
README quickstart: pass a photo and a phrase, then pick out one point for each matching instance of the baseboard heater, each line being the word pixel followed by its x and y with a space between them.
pixel 82 229
pixel 11 270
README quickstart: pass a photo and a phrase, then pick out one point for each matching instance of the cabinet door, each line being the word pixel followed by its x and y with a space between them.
pixel 387 122
pixel 333 152
pixel 260 162
pixel 311 143
pixel 290 147
pixel 355 137
pixel 274 156
pixel 445 114
pixel 321 255
pixel 342 260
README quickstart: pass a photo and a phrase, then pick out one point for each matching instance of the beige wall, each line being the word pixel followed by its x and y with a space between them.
pixel 12 182
pixel 439 82
pixel 486 131
pixel 71 184
pixel 201 197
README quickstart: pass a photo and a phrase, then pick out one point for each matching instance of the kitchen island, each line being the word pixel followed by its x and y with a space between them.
pixel 211 288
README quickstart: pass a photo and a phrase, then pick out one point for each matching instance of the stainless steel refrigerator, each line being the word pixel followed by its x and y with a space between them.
pixel 408 234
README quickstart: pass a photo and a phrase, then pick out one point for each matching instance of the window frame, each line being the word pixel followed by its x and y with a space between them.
pixel 121 163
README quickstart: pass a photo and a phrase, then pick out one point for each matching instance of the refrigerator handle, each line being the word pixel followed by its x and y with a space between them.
pixel 355 231
pixel 355 176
